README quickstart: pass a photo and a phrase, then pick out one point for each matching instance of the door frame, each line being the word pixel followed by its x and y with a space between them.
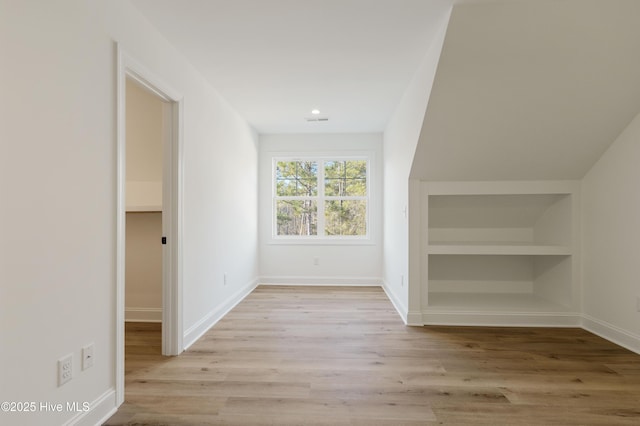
pixel 172 335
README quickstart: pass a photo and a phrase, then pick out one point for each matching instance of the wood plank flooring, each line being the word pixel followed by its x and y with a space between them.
pixel 342 356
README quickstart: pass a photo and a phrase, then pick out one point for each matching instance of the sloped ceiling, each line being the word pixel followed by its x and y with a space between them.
pixel 530 89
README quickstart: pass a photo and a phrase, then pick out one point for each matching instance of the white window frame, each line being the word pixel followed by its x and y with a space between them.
pixel 321 198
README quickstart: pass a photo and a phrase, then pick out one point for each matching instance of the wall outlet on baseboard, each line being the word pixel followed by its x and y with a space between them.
pixel 316 261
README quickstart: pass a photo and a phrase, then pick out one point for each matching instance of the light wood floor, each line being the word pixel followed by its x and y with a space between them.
pixel 341 356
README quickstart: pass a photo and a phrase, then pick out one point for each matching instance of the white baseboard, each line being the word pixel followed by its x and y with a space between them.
pixel 201 327
pixel 414 318
pixel 397 304
pixel 143 314
pixel 321 281
pixel 99 411
pixel 501 319
pixel 612 333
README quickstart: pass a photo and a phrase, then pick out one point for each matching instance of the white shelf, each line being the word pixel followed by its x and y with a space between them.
pixel 143 209
pixel 498 248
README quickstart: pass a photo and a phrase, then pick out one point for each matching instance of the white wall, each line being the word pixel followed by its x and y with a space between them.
pixel 337 264
pixel 400 141
pixel 58 194
pixel 219 182
pixel 143 267
pixel 144 135
pixel 611 240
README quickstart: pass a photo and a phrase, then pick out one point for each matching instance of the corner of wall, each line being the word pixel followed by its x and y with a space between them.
pixel 612 333
pixel 197 330
pixel 610 229
pixel 401 138
pixel 395 301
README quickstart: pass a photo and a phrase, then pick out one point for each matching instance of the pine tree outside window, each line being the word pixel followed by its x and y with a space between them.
pixel 317 198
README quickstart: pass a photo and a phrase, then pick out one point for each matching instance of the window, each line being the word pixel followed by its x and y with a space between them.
pixel 321 198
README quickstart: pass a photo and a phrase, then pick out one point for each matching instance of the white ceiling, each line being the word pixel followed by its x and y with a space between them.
pixel 531 90
pixel 276 60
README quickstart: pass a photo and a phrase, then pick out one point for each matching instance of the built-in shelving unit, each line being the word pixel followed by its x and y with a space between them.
pixel 500 253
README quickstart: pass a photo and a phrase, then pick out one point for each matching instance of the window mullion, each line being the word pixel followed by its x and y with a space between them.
pixel 321 198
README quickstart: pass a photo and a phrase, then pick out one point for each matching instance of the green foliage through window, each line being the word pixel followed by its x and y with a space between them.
pixel 336 208
pixel 297 217
pixel 345 217
pixel 297 178
pixel 345 178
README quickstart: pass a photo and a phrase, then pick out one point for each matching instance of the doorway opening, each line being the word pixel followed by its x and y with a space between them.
pixel 148 280
pixel 145 135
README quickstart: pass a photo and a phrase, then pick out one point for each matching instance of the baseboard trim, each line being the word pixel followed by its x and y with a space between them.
pixel 321 281
pixel 502 319
pixel 397 304
pixel 142 314
pixel 612 333
pixel 414 318
pixel 201 327
pixel 99 411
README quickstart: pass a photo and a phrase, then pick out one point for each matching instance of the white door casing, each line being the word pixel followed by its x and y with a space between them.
pixel 172 335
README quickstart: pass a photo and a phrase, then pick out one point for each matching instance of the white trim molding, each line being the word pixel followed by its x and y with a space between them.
pixel 99 410
pixel 322 281
pixel 201 327
pixel 612 333
pixel 128 67
pixel 143 314
pixel 414 318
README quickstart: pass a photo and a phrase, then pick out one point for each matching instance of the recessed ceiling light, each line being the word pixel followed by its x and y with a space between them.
pixel 315 111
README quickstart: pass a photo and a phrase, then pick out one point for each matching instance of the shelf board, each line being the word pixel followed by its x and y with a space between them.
pixel 492 302
pixel 143 209
pixel 497 248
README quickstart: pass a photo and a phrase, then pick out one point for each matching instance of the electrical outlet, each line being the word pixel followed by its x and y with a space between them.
pixel 65 369
pixel 316 261
pixel 224 279
pixel 401 280
pixel 87 356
